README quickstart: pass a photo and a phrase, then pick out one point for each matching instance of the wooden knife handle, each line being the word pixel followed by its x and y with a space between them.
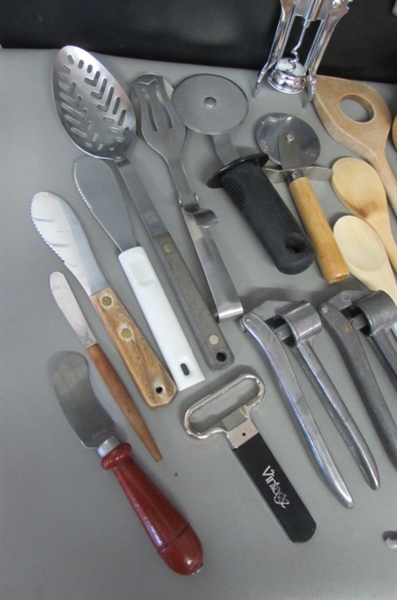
pixel 172 536
pixel 123 399
pixel 328 254
pixel 154 383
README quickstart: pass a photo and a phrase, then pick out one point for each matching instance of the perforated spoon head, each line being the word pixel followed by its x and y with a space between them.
pixel 93 107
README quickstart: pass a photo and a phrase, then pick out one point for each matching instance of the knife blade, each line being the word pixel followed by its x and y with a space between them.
pixel 102 194
pixel 61 230
pixel 71 310
pixel 173 537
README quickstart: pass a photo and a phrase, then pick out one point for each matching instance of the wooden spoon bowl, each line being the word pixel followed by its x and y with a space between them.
pixel 360 189
pixel 365 255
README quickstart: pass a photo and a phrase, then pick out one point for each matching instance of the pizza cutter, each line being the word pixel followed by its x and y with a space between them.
pixel 291 142
pixel 213 105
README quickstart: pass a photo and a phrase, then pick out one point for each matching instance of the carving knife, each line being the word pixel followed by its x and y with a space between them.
pixel 61 230
pixel 71 310
pixel 174 539
pixel 102 194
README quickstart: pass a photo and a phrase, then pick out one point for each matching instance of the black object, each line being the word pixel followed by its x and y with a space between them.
pixel 264 470
pixel 265 211
pixel 228 33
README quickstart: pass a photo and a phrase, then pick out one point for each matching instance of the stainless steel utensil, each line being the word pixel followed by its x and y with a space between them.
pixel 343 327
pixel 296 403
pixel 297 325
pixel 163 130
pixel 171 535
pixel 71 310
pixel 291 142
pixel 101 192
pixel 213 105
pixel 59 227
pixel 98 117
pixel 288 74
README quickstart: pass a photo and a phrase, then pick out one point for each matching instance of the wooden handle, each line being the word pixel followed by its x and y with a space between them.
pixel 152 380
pixel 329 257
pixel 381 224
pixel 123 399
pixel 170 533
pixel 379 162
pixel 365 138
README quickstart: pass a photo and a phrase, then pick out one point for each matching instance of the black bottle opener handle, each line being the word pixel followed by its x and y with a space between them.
pixel 275 487
pixel 265 211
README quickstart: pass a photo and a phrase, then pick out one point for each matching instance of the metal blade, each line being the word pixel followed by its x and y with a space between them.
pixel 289 149
pixel 77 400
pixel 62 231
pixel 67 302
pixel 101 192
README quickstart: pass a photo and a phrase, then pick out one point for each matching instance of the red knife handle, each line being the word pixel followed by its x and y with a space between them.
pixel 170 533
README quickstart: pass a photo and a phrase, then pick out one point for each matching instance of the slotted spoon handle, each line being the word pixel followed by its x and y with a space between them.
pixel 367 139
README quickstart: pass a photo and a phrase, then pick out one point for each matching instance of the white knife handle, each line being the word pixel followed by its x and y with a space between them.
pixel 161 318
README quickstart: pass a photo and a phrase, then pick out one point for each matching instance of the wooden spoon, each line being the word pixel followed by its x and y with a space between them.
pixel 359 188
pixel 365 255
pixel 367 139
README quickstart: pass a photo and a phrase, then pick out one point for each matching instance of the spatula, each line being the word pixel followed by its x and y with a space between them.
pixel 360 189
pixel 367 139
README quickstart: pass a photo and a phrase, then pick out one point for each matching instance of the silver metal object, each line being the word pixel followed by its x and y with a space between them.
pixel 267 133
pixel 287 73
pixel 300 326
pixel 212 105
pixel 70 308
pixel 98 117
pixel 163 130
pixel 344 317
pixel 296 404
pixel 89 420
pixel 237 426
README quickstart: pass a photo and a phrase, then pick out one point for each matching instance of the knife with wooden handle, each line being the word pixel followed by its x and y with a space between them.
pixel 172 536
pixel 72 312
pixel 101 192
pixel 61 230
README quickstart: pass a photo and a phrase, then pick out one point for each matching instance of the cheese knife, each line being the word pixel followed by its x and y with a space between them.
pixel 102 194
pixel 71 310
pixel 61 230
pixel 172 536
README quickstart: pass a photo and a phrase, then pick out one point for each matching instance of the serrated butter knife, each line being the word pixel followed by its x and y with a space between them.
pixel 61 230
pixel 102 194
pixel 72 312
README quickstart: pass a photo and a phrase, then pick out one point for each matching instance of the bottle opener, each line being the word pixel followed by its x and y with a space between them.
pixel 256 458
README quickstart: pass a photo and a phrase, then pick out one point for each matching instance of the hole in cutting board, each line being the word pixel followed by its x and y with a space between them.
pixel 357 109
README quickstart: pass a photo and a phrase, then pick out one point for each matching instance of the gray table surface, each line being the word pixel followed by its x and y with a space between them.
pixel 67 531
